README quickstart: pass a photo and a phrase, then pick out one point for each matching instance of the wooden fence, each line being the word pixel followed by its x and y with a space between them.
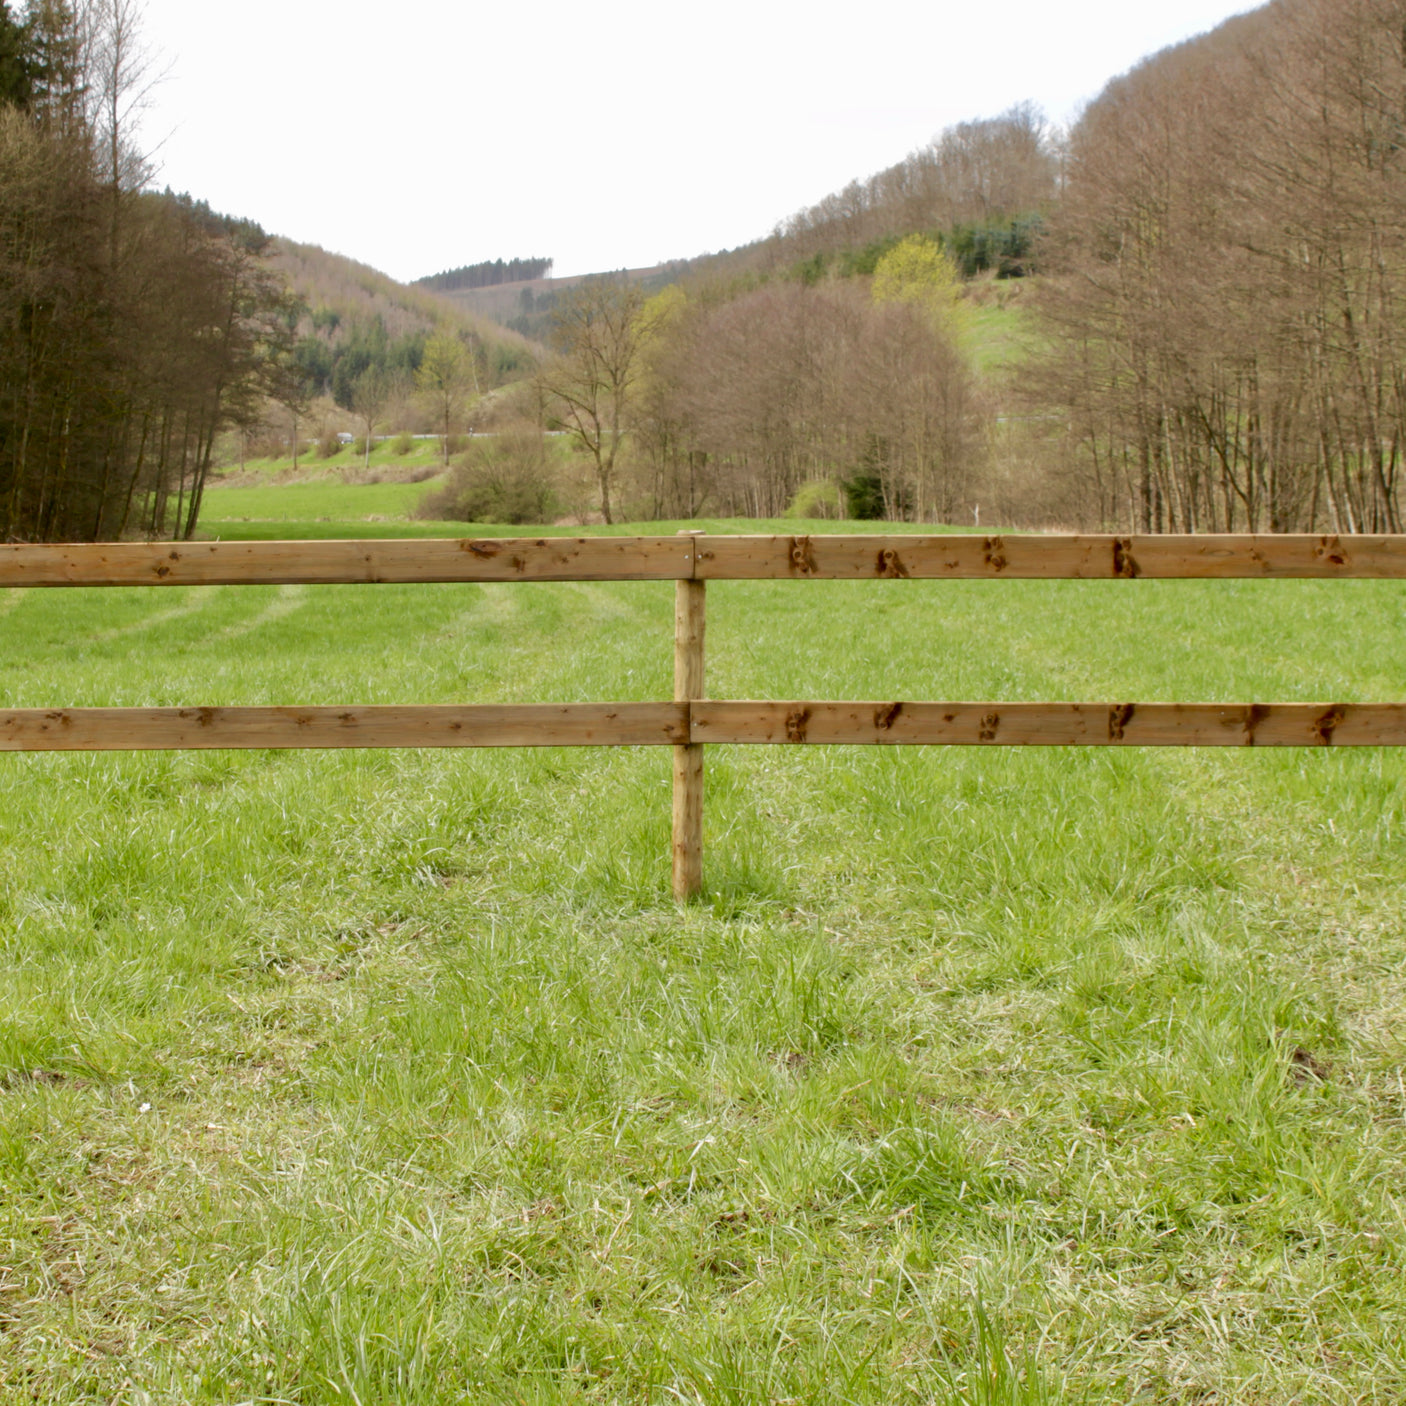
pixel 691 721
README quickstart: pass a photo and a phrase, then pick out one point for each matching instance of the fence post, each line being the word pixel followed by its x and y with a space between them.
pixel 689 620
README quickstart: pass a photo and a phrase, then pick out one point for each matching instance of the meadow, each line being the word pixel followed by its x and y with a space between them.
pixel 340 495
pixel 977 1076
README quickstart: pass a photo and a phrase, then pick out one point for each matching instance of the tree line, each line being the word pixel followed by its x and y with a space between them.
pixel 134 326
pixel 852 398
pixel 1225 319
pixel 488 274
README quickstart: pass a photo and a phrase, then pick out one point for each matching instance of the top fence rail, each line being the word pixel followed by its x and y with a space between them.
pixel 953 557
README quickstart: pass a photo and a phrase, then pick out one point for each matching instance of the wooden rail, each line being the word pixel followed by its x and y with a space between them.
pixel 954 557
pixel 688 725
pixel 474 725
pixel 691 721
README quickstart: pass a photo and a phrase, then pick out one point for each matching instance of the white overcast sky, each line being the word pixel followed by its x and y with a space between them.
pixel 426 134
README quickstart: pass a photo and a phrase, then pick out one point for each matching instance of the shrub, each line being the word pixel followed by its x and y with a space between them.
pixel 403 443
pixel 502 478
pixel 820 498
pixel 329 446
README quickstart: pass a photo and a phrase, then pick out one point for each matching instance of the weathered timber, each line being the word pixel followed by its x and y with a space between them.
pixel 1012 556
pixel 474 725
pixel 343 562
pixel 954 556
pixel 1054 724
pixel 690 605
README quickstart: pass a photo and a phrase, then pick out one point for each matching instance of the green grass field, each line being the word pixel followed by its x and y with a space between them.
pixel 267 498
pixel 999 337
pixel 301 509
pixel 978 1076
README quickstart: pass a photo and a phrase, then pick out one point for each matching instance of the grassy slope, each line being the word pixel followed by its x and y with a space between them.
pixel 980 1075
pixel 999 334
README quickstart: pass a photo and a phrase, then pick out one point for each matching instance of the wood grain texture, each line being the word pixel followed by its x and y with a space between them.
pixel 478 725
pixel 668 724
pixel 1054 724
pixel 348 562
pixel 1017 556
pixel 955 556
pixel 690 621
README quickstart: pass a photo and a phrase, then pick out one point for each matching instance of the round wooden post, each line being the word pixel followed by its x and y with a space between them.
pixel 689 619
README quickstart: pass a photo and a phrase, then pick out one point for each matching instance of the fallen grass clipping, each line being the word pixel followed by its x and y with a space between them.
pixel 979 1076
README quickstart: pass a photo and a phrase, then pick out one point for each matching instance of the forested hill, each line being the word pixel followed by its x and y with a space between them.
pixel 355 318
pixel 526 305
pixel 334 284
pixel 980 188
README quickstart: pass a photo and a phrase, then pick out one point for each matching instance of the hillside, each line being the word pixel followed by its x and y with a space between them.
pixel 524 306
pixel 980 187
pixel 346 300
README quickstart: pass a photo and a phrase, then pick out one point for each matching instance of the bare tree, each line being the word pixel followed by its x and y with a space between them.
pixel 372 396
pixel 587 389
pixel 123 72
pixel 1227 323
pixel 447 377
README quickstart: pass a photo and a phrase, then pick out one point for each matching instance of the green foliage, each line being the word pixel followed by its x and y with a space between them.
pixel 403 443
pixel 16 60
pixel 504 478
pixel 918 271
pixel 825 498
pixel 363 348
pixel 508 361
pixel 313 358
pixel 1006 248
pixel 861 263
pixel 864 497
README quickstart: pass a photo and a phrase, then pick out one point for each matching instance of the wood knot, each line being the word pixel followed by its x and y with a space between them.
pixel 1330 549
pixel 1328 723
pixel 1119 716
pixel 994 553
pixel 1255 714
pixel 885 716
pixel 890 565
pixel 797 723
pixel 1124 565
pixel 989 725
pixel 163 570
pixel 482 550
pixel 802 555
